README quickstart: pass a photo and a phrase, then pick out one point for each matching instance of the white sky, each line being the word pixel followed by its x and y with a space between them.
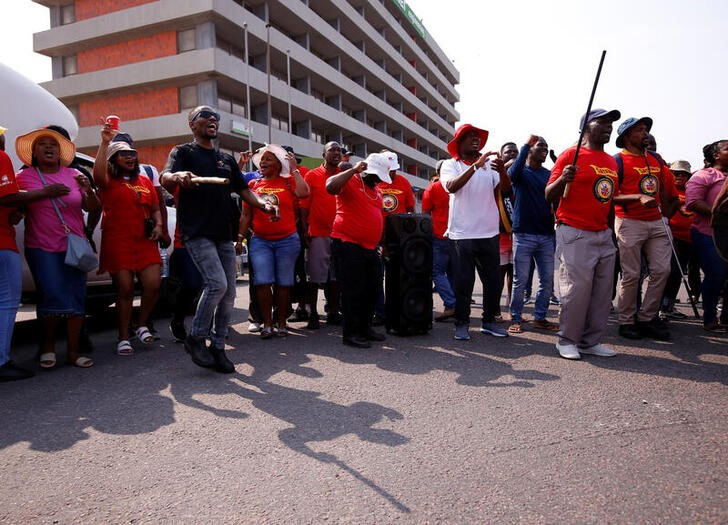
pixel 528 66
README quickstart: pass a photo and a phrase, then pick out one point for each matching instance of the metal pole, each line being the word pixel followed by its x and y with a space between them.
pixel 267 67
pixel 288 71
pixel 247 87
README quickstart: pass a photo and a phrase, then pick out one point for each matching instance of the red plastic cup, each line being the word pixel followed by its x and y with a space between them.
pixel 113 121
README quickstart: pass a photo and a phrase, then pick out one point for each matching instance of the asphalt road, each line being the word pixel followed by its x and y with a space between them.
pixel 423 429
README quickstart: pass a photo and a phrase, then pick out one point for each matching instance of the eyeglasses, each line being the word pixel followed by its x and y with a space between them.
pixel 127 154
pixel 205 113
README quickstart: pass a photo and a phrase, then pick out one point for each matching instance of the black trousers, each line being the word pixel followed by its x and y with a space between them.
pixel 483 256
pixel 358 272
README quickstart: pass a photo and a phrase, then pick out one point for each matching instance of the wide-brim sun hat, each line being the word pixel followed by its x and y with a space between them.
pixel 681 166
pixel 628 124
pixel 379 164
pixel 280 154
pixel 116 147
pixel 24 146
pixel 452 146
pixel 393 160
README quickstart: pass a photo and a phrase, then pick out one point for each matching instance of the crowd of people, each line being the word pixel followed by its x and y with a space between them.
pixel 499 214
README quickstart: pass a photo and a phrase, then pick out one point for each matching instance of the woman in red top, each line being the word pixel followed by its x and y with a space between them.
pixel 130 231
pixel 275 244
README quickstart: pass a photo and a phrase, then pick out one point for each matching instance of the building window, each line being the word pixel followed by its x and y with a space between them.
pixel 188 97
pixel 186 40
pixel 68 14
pixel 70 66
pixel 224 104
pixel 317 136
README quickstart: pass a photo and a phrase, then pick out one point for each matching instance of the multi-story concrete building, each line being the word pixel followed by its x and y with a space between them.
pixel 298 72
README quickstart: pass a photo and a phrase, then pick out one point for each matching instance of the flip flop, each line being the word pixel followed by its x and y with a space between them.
pixel 124 348
pixel 144 335
pixel 515 328
pixel 48 360
pixel 82 362
pixel 282 331
pixel 266 333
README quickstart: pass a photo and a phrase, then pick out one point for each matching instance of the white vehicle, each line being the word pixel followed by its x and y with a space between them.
pixel 25 106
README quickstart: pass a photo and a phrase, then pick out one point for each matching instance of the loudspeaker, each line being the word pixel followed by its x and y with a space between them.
pixel 408 283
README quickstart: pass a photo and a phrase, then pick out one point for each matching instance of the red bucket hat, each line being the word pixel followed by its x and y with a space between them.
pixel 452 146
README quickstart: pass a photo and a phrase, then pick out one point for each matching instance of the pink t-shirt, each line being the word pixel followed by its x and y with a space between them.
pixel 43 228
pixel 705 186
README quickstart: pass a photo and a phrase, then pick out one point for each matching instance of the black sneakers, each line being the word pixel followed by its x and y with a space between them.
pixel 654 329
pixel 630 331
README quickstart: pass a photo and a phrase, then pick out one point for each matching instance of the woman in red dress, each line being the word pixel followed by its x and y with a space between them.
pixel 130 231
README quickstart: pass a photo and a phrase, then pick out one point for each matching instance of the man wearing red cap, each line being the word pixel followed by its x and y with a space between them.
pixel 584 245
pixel 471 178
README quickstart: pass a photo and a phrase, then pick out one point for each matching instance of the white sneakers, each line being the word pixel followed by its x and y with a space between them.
pixel 573 352
pixel 599 350
pixel 568 351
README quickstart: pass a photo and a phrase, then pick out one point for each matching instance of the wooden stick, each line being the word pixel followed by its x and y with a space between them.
pixel 211 180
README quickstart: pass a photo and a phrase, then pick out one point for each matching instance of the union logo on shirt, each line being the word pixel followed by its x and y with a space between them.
pixel 603 189
pixel 648 185
pixel 389 202
pixel 4 181
pixel 271 198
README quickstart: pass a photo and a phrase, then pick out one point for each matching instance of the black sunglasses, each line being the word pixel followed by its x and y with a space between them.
pixel 127 153
pixel 205 113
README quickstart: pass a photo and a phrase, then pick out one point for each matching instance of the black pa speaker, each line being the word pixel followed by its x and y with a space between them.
pixel 408 283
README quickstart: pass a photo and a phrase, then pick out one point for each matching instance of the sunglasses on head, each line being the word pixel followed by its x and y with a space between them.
pixel 206 113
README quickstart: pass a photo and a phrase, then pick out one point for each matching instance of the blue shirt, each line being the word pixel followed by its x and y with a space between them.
pixel 531 211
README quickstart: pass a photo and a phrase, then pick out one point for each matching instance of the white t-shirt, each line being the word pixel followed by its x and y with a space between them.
pixel 473 210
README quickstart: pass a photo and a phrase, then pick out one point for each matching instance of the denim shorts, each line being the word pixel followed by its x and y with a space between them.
pixel 274 261
pixel 61 289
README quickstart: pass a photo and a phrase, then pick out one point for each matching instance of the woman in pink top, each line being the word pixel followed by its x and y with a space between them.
pixel 61 288
pixel 701 190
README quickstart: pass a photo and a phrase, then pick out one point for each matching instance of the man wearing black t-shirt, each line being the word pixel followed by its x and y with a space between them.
pixel 206 218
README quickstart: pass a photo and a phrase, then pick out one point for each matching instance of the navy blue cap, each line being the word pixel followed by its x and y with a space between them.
pixel 289 149
pixel 596 113
pixel 628 124
pixel 123 137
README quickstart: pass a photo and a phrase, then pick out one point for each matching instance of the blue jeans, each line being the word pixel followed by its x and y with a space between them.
pixel 528 247
pixel 216 263
pixel 442 271
pixel 274 261
pixel 714 270
pixel 10 288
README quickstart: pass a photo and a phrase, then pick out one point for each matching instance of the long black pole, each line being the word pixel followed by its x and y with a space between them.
pixel 588 110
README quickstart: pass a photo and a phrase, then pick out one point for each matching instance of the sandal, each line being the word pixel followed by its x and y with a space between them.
pixel 124 348
pixel 144 335
pixel 48 360
pixel 266 332
pixel 515 328
pixel 82 362
pixel 282 331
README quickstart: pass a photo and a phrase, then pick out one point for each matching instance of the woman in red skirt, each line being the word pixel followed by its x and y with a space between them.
pixel 130 231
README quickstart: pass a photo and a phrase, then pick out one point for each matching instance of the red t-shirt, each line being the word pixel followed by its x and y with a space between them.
pixel 321 205
pixel 277 191
pixel 682 220
pixel 645 177
pixel 359 216
pixel 591 192
pixel 398 196
pixel 436 202
pixel 8 186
